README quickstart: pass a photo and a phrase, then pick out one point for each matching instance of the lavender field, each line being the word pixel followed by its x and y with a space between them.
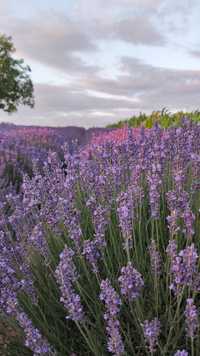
pixel 100 242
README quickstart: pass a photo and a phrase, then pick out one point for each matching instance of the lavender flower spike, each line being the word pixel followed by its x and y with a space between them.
pixel 184 269
pixel 181 353
pixel 125 212
pixel 91 253
pixel 131 282
pixel 191 315
pixel 151 331
pixel 171 249
pixel 33 339
pixel 112 303
pixel 66 275
pixel 155 259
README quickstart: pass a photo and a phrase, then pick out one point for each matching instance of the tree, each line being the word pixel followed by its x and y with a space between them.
pixel 16 86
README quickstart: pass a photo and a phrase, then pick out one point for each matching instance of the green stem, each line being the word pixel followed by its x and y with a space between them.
pixel 88 341
pixel 175 317
pixel 192 346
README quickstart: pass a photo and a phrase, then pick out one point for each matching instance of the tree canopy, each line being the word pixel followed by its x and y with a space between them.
pixel 16 86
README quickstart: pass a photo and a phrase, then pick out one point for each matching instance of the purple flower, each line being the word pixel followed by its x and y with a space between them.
pixel 151 331
pixel 184 269
pixel 188 218
pixel 178 203
pixel 172 249
pixel 37 239
pixel 9 285
pixel 100 220
pixel 91 253
pixel 191 316
pixel 72 218
pixel 154 181
pixel 155 259
pixel 11 262
pixel 112 303
pixel 135 185
pixel 33 338
pixel 179 178
pixel 66 276
pixel 181 353
pixel 131 282
pixel 125 213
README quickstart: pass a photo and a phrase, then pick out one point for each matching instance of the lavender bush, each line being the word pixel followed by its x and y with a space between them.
pixel 100 255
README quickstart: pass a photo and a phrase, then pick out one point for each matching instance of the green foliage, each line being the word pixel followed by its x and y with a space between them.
pixel 164 118
pixel 15 84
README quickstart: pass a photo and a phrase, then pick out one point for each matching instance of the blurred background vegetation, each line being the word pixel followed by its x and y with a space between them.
pixel 163 117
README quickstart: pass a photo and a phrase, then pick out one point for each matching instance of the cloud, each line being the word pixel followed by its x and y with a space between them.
pixel 66 99
pixel 135 30
pixel 195 53
pixel 63 106
pixel 58 40
pixel 54 42
pixel 166 87
pixel 62 101
pixel 102 8
pixel 151 85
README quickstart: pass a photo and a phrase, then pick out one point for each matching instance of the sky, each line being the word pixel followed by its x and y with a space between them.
pixel 95 62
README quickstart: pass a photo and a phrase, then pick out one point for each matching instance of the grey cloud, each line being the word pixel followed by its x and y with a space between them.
pixel 136 78
pixel 151 85
pixel 168 87
pixel 64 99
pixel 148 4
pixel 128 20
pixel 54 41
pixel 63 106
pixel 176 18
pixel 102 8
pixel 57 40
pixel 90 119
pixel 195 53
pixel 137 30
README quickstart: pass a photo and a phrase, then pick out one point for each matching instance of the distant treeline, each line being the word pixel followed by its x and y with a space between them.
pixel 163 117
